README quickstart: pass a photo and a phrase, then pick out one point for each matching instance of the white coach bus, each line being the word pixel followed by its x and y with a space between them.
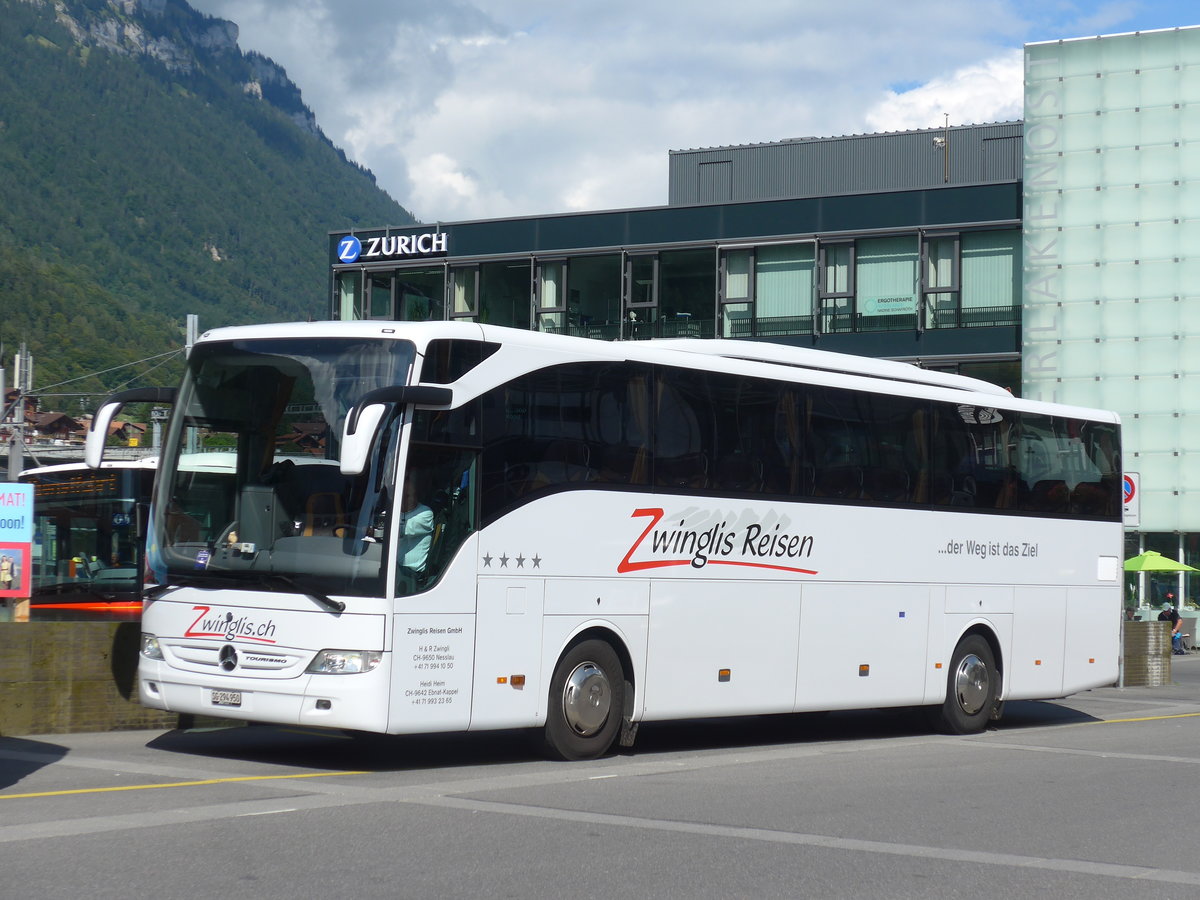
pixel 505 529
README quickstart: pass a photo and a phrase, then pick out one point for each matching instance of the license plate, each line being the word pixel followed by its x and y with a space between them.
pixel 226 698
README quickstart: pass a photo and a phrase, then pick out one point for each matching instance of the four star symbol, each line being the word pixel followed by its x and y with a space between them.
pixel 520 559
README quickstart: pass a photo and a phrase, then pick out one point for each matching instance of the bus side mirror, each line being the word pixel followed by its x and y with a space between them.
pixel 356 444
pixel 362 420
pixel 97 436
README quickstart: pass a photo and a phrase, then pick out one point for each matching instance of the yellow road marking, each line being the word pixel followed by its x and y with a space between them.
pixel 231 780
pixel 175 784
pixel 1143 719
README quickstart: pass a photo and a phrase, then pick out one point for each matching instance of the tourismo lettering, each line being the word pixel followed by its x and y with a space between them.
pixel 750 545
pixel 208 624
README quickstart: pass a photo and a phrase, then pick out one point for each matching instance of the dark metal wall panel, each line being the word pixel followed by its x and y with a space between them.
pixel 935 207
pixel 812 167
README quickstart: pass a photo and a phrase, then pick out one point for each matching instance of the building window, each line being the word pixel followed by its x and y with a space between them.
pixel 1156 586
pixel 380 297
pixel 640 295
pixel 991 278
pixel 464 286
pixel 594 296
pixel 349 295
pixel 940 280
pixel 887 284
pixel 670 294
pixel 505 292
pixel 1005 373
pixel 550 298
pixel 784 278
pixel 736 293
pixel 687 293
pixel 837 288
pixel 420 293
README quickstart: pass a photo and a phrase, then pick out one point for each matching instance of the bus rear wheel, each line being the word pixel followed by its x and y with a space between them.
pixel 971 688
pixel 587 699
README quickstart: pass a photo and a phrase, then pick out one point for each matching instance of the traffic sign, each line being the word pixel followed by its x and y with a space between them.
pixel 1131 488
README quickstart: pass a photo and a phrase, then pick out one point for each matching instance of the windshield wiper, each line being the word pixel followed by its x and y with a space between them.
pixel 269 580
pixel 324 600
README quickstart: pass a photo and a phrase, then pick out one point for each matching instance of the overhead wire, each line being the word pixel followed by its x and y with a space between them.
pixel 136 362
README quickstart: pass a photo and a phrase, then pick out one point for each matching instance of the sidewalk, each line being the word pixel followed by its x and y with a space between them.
pixel 1179 697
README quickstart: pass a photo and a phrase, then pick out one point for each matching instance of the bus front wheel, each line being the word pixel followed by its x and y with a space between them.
pixel 587 698
pixel 971 688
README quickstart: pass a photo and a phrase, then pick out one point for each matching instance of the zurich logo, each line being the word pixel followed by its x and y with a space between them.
pixel 349 249
pixel 228 658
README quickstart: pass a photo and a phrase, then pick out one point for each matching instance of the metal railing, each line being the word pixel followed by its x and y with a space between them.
pixel 847 323
pixel 776 326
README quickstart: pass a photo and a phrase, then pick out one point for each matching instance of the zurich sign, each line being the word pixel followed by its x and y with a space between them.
pixel 349 249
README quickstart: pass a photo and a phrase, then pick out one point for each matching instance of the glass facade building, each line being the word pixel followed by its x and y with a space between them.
pixel 930 275
pixel 1111 279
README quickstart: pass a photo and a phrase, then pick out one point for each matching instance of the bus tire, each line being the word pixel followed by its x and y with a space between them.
pixel 971 688
pixel 587 698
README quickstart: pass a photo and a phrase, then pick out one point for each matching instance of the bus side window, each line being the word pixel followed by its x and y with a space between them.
pixel 834 425
pixel 682 431
pixel 565 462
pixel 794 475
pixel 951 464
pixel 895 464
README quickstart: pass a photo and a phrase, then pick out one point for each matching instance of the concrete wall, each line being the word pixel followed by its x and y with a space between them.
pixel 62 677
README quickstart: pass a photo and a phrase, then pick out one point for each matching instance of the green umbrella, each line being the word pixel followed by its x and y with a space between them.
pixel 1153 561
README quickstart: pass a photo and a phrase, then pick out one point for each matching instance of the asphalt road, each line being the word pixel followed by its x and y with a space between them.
pixel 1089 796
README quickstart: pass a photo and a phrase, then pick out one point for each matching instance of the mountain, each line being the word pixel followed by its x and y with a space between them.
pixel 149 169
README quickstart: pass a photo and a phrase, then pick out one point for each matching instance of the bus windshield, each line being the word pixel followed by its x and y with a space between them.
pixel 276 513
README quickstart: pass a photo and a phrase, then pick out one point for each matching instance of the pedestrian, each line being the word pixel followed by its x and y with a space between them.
pixel 1169 614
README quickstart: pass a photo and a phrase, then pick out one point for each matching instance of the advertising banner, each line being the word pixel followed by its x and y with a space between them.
pixel 16 539
pixel 887 306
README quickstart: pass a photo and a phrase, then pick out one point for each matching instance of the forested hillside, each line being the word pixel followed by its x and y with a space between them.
pixel 149 170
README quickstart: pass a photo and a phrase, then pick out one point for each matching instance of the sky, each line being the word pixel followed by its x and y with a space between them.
pixel 495 108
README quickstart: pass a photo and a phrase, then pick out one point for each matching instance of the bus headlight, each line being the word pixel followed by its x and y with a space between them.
pixel 344 662
pixel 150 648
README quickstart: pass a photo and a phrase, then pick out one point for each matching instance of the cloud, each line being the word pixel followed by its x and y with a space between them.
pixel 576 106
pixel 491 108
pixel 988 92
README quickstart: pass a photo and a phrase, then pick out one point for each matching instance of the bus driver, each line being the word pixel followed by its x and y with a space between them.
pixel 416 531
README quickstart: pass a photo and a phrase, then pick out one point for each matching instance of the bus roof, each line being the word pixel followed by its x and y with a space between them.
pixel 764 356
pixel 828 361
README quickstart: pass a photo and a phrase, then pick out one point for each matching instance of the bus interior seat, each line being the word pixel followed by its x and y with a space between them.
pixel 840 482
pixel 1090 498
pixel 963 491
pixel 565 462
pixel 517 479
pixel 1048 495
pixel 324 490
pixel 616 464
pixel 739 472
pixel 941 489
pixel 324 514
pixel 687 471
pixel 883 483
pixel 799 480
